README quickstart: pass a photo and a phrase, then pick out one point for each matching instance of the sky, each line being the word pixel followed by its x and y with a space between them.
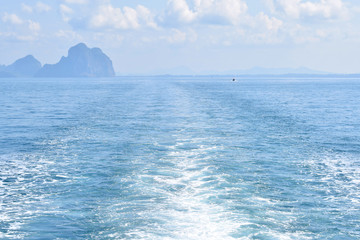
pixel 202 36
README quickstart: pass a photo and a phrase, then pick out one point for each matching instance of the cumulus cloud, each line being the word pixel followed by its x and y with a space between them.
pixel 263 29
pixel 26 8
pixel 233 10
pixel 270 23
pixel 146 16
pixel 38 7
pixel 206 11
pixel 108 16
pixel 232 18
pixel 179 10
pixel 65 9
pixel 42 7
pixel 12 18
pixel 25 30
pixel 323 8
pixel 65 12
pixel 34 26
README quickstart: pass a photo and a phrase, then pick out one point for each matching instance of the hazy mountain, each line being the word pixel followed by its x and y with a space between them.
pixel 80 62
pixel 267 71
pixel 279 71
pixel 23 67
pixel 252 71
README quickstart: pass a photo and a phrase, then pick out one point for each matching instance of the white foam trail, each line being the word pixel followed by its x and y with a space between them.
pixel 340 176
pixel 194 206
pixel 188 196
pixel 187 212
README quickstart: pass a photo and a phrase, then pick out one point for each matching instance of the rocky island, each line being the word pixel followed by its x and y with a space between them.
pixel 80 62
pixel 23 67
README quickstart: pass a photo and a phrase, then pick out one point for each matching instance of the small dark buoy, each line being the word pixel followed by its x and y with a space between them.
pixel 233 79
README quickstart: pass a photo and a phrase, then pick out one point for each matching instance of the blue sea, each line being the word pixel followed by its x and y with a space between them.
pixel 174 157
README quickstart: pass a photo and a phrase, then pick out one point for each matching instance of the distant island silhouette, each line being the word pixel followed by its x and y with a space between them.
pixel 80 62
pixel 23 67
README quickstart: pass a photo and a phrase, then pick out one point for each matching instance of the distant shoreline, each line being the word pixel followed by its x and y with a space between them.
pixel 230 76
pixel 357 75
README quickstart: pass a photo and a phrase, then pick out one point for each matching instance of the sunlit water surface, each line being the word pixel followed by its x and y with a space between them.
pixel 179 158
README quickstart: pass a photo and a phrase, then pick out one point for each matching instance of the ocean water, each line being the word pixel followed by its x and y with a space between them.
pixel 180 158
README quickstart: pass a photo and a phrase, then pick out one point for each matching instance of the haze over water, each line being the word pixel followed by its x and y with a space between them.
pixel 179 158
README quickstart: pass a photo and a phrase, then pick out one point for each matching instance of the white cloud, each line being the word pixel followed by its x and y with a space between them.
pixel 146 16
pixel 34 26
pixel 290 7
pixel 26 30
pixel 108 16
pixel 39 7
pixel 180 10
pixel 233 10
pixel 238 24
pixel 270 23
pixel 26 8
pixel 42 7
pixel 323 8
pixel 176 36
pixel 207 11
pixel 12 18
pixel 125 18
pixel 262 30
pixel 65 9
pixel 65 12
